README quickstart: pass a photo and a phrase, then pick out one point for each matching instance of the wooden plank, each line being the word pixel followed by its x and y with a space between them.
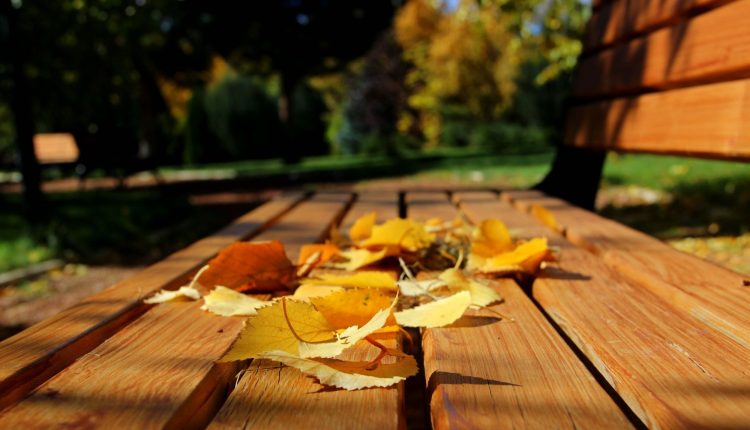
pixel 711 47
pixel 672 370
pixel 522 376
pixel 620 20
pixel 160 370
pixel 34 355
pixel 709 120
pixel 712 294
pixel 270 397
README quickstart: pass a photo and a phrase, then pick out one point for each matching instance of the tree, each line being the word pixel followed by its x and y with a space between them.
pixel 296 39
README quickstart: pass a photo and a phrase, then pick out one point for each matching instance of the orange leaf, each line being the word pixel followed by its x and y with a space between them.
pixel 327 251
pixel 255 266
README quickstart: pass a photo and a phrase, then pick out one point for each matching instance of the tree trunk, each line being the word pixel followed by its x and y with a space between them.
pixel 289 81
pixel 20 105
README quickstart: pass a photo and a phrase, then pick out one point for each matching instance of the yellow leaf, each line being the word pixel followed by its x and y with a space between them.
pixel 436 314
pixel 298 329
pixel 489 238
pixel 352 306
pixel 362 227
pixel 360 258
pixel 545 216
pixel 347 374
pixel 307 291
pixel 525 258
pixel 226 302
pixel 269 330
pixel 367 279
pixel 481 295
pixel 405 233
pixel 167 295
pixel 412 288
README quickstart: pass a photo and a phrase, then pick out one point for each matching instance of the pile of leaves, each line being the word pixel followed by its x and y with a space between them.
pixel 355 290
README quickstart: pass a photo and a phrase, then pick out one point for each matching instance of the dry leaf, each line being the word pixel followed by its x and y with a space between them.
pixel 226 302
pixel 307 291
pixel 362 227
pixel 489 238
pixel 404 233
pixel 326 252
pixel 350 375
pixel 167 295
pixel 436 314
pixel 525 258
pixel 367 279
pixel 546 217
pixel 412 288
pixel 255 266
pixel 358 258
pixel 481 295
pixel 352 306
pixel 298 329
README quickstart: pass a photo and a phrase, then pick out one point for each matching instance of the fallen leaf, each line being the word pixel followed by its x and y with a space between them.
pixel 299 329
pixel 489 238
pixel 350 375
pixel 404 233
pixel 545 216
pixel 358 258
pixel 481 295
pixel 412 288
pixel 326 251
pixel 254 266
pixel 227 302
pixel 435 314
pixel 352 306
pixel 366 279
pixel 525 258
pixel 307 291
pixel 167 295
pixel 362 227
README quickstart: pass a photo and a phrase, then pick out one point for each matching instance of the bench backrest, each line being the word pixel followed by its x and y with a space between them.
pixel 664 76
pixel 55 148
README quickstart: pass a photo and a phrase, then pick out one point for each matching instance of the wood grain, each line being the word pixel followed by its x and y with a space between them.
pixel 671 369
pixel 708 120
pixel 487 373
pixel 160 370
pixel 620 20
pixel 708 292
pixel 34 355
pixel 711 47
pixel 270 397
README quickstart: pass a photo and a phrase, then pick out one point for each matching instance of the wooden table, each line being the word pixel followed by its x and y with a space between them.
pixel 622 332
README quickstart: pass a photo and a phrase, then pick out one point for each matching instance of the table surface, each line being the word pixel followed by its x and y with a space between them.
pixel 622 331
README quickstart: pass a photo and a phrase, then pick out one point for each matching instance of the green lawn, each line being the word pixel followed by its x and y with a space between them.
pixel 697 198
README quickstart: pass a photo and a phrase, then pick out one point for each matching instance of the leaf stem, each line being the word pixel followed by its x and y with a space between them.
pixel 372 365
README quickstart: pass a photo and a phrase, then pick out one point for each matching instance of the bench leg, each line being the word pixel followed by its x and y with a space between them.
pixel 575 176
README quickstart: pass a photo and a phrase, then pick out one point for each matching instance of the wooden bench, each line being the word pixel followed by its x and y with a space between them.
pixel 622 332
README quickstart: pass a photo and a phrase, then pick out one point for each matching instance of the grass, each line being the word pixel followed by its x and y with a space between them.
pixel 98 227
pixel 703 198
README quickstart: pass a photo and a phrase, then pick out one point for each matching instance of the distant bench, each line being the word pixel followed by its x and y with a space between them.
pixel 60 150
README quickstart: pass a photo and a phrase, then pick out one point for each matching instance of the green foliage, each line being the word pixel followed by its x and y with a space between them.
pixel 307 126
pixel 508 138
pixel 7 149
pixel 242 117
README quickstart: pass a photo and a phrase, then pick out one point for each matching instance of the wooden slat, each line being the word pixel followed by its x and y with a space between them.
pixel 672 370
pixel 34 355
pixel 711 47
pixel 160 370
pixel 709 120
pixel 621 19
pixel 712 294
pixel 483 373
pixel 269 397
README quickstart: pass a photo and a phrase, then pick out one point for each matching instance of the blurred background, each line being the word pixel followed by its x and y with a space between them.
pixel 130 128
